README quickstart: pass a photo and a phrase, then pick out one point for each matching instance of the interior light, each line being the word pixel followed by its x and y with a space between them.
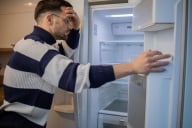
pixel 120 15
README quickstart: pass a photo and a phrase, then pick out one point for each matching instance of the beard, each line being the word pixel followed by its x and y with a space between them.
pixel 63 36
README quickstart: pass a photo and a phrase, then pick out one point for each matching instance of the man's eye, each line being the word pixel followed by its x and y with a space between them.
pixel 67 21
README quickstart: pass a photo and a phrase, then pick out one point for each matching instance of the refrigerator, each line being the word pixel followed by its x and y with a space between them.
pixel 158 100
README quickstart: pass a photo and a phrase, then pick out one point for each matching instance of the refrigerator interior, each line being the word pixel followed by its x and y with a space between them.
pixel 112 41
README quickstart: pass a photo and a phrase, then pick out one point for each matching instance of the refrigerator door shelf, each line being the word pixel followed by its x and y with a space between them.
pixel 153 15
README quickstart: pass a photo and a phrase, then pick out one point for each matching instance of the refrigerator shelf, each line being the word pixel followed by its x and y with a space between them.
pixel 119 52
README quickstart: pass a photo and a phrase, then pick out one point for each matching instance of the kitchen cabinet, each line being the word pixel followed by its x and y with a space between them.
pixel 6 50
pixel 153 15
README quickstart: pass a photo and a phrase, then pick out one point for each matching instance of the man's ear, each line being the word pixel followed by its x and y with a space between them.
pixel 49 19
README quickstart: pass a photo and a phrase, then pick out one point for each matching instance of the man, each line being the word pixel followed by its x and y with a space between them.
pixel 38 66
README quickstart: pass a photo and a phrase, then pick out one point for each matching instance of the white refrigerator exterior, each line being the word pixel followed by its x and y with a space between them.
pixel 162 33
pixel 187 88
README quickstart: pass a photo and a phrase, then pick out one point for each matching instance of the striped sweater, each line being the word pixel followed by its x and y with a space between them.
pixel 36 68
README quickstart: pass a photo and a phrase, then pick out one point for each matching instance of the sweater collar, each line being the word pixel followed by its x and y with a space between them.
pixel 40 34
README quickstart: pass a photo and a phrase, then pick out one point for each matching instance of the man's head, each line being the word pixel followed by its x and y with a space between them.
pixel 49 6
pixel 57 17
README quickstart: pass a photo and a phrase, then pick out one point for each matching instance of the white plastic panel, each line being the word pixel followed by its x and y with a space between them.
pixel 177 67
pixel 142 14
pixel 136 101
pixel 187 113
pixel 162 7
pixel 157 101
pixel 158 91
pixel 153 15
pixel 160 40
pixel 160 85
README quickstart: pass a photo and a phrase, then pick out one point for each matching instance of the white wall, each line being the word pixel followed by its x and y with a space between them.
pixel 16 21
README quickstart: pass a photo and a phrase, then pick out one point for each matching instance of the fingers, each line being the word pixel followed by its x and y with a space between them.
pixel 153 53
pixel 73 17
pixel 155 67
pixel 159 57
pixel 70 12
pixel 156 55
pixel 150 61
pixel 157 70
pixel 159 64
pixel 153 62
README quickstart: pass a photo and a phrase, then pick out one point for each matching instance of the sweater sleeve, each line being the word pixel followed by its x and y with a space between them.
pixel 73 39
pixel 68 46
pixel 99 75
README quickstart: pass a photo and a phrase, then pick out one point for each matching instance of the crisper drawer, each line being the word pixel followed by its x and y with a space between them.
pixel 110 121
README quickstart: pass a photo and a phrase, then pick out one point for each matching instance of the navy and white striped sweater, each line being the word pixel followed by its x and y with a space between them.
pixel 36 68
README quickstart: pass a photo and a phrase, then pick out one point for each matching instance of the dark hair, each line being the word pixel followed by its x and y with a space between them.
pixel 49 5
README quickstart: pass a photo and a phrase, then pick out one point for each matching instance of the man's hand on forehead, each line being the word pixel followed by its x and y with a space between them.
pixel 73 17
pixel 68 11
